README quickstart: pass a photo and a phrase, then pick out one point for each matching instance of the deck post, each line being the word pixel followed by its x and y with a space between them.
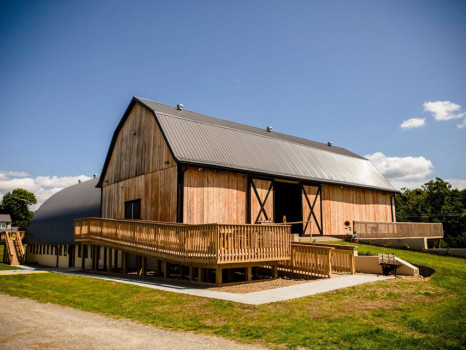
pixel 124 263
pixel 200 274
pixel 191 273
pixel 249 273
pixel 143 265
pixel 83 259
pixel 105 258
pixel 218 275
pixel 109 256
pixel 94 258
pixel 138 264
pixel 275 270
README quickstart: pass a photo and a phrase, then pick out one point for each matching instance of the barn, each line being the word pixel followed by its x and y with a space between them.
pixel 191 195
pixel 170 164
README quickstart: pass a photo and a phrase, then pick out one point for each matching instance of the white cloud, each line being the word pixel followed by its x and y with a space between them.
pixel 457 183
pixel 42 186
pixel 401 168
pixel 413 123
pixel 444 110
pixel 463 124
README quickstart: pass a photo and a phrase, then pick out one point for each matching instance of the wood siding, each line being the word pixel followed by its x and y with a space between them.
pixel 212 196
pixel 342 204
pixel 141 167
pixel 262 188
pixel 156 190
pixel 139 149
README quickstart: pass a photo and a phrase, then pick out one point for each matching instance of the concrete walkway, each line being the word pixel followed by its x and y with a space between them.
pixel 253 298
pixel 256 298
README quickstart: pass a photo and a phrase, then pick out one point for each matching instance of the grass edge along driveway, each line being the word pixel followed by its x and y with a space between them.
pixel 401 313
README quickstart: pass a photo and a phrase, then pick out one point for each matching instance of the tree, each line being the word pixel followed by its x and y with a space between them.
pixel 436 201
pixel 17 205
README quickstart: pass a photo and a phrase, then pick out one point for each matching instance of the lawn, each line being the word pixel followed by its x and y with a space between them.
pixel 400 313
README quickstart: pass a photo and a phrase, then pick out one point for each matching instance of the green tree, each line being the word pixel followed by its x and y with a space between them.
pixel 17 204
pixel 436 201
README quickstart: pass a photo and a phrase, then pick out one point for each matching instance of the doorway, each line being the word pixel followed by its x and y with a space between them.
pixel 288 202
pixel 133 209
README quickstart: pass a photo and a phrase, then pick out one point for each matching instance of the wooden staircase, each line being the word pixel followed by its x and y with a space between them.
pixel 14 251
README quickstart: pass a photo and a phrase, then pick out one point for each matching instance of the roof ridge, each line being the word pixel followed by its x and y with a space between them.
pixel 250 132
pixel 257 134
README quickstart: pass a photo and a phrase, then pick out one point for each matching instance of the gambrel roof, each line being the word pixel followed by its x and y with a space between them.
pixel 196 139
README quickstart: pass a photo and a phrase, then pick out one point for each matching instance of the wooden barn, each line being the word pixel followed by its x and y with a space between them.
pixel 168 164
pixel 188 195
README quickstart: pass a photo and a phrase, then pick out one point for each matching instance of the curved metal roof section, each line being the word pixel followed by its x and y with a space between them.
pixel 53 222
pixel 201 140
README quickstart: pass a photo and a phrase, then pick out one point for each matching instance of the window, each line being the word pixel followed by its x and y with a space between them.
pixel 133 209
pixel 79 250
pixel 2 224
pixel 59 250
pixel 65 250
pixel 48 249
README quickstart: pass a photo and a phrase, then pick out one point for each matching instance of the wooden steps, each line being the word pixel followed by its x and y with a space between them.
pixel 14 251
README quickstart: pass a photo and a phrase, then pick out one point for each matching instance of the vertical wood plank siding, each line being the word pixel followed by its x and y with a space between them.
pixel 141 166
pixel 157 191
pixel 214 196
pixel 342 204
pixel 139 149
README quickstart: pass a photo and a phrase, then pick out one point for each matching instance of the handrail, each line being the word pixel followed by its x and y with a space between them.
pixel 372 229
pixel 208 243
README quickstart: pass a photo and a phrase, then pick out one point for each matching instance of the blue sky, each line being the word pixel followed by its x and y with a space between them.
pixel 350 72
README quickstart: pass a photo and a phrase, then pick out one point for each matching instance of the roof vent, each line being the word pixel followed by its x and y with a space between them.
pixel 330 143
pixel 95 175
pixel 269 129
pixel 179 106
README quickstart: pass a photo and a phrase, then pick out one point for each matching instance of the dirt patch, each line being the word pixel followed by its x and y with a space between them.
pixel 258 286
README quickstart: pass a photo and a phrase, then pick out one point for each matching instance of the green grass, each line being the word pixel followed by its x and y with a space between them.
pixel 400 313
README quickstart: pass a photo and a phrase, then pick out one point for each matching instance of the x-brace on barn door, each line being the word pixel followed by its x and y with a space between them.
pixel 312 209
pixel 261 200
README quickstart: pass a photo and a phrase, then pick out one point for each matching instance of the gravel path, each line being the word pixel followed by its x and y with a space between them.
pixel 27 324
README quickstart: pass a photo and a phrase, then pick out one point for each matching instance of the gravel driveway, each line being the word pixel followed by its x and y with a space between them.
pixel 27 324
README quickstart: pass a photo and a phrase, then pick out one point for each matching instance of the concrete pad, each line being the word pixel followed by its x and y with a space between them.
pixel 255 298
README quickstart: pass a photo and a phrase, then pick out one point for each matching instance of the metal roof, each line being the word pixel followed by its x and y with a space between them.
pixel 53 222
pixel 202 140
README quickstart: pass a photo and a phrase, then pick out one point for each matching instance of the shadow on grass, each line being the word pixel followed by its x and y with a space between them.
pixel 425 271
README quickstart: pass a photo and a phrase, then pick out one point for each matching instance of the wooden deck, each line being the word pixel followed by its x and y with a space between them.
pixel 215 246
pixel 374 230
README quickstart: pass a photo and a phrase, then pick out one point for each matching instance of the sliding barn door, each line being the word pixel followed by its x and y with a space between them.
pixel 312 210
pixel 261 193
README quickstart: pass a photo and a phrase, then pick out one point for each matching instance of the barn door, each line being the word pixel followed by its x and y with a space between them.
pixel 312 210
pixel 261 193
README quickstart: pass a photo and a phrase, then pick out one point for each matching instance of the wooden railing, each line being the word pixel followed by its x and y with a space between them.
pixel 208 243
pixel 365 229
pixel 319 260
pixel 342 257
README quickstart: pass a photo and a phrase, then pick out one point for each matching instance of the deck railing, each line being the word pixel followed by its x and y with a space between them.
pixel 320 260
pixel 207 243
pixel 367 229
